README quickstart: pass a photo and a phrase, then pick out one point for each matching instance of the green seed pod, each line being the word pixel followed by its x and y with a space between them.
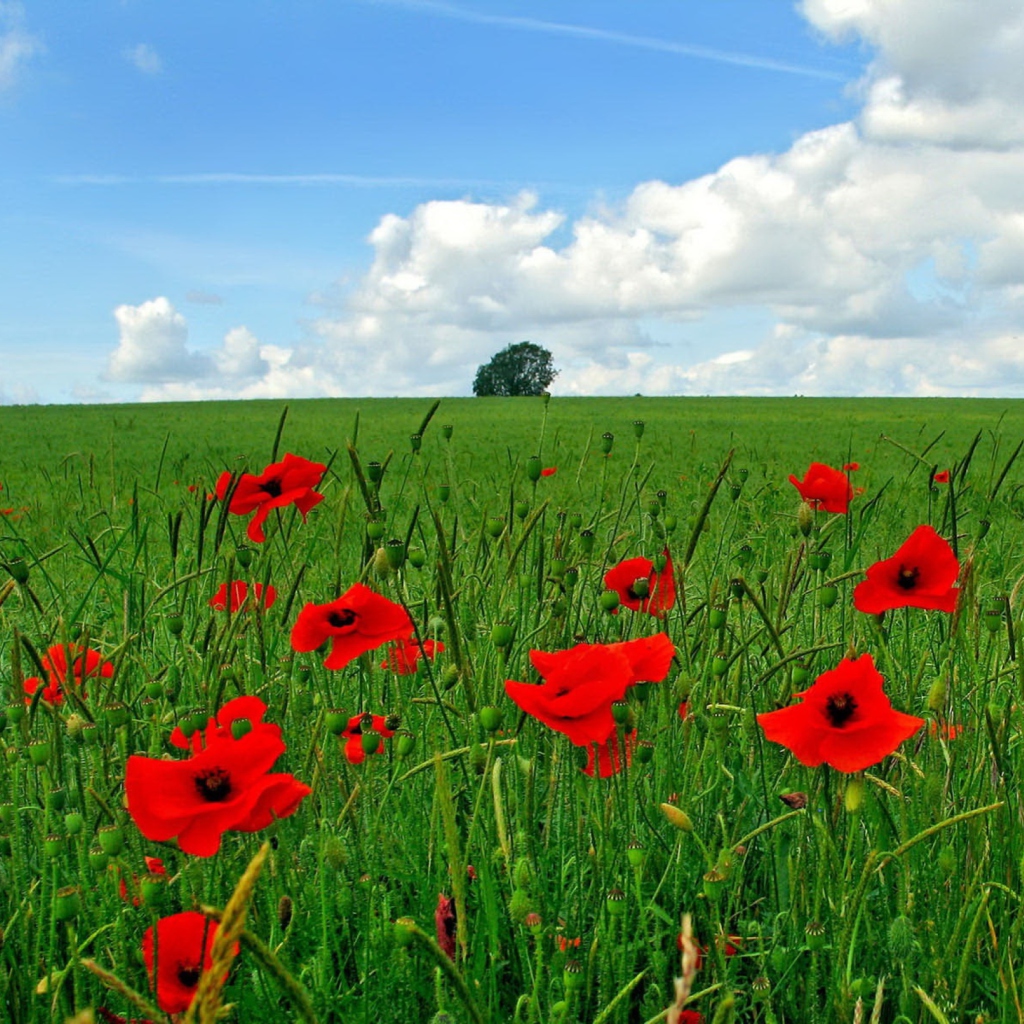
pixel 336 720
pixel 18 568
pixel 615 901
pixel 644 752
pixel 395 552
pixel 901 938
pixel 502 634
pixel 586 541
pixel 641 587
pixel 993 619
pixel 717 617
pixel 16 713
pixel 375 529
pixel 66 904
pixel 609 600
pixel 98 859
pixel 947 861
pixel 495 527
pixel 670 522
pixel 73 822
pixel 714 884
pixel 405 742
pixel 39 752
pixel 404 932
pixel 828 596
pixel 638 429
pixel 533 468
pixel 240 727
pixel 636 853
pixel 521 509
pixel 56 799
pixel 175 623
pixel 719 665
pixel 115 714
pixel 154 690
pixel 415 442
pixel 111 839
pixel 575 521
pixel 853 797
pixel 734 492
pixel 369 740
pixel 444 493
pixel 761 575
pixel 572 976
pixel 449 677
pixel 607 440
pixel 243 556
pixel 571 578
pixel 152 889
pixel 800 674
pixel 937 696
pixel 52 845
pixel 417 557
pixel 446 431
pixel 557 567
pixel 814 932
pixel 374 472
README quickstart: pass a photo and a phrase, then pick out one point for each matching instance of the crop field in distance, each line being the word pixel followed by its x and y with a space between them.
pixel 513 711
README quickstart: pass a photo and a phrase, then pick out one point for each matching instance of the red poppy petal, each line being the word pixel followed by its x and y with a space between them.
pixel 279 798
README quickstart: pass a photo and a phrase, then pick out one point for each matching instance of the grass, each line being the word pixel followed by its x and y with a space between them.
pixel 896 889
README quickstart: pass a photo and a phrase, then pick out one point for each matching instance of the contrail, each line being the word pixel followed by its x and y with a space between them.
pixel 746 60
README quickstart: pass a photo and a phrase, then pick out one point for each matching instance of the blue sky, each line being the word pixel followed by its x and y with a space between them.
pixel 372 196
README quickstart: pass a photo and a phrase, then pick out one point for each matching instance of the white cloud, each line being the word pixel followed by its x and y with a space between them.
pixel 17 45
pixel 144 58
pixel 889 252
pixel 152 343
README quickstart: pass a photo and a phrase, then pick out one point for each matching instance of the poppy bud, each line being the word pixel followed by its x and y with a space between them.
pixel 854 796
pixel 66 904
pixel 644 752
pixel 638 429
pixel 111 839
pixel 395 551
pixel 416 442
pixel 375 528
pixel 828 596
pixel 586 541
pixel 533 468
pixel 39 752
pixel 18 568
pixel 403 931
pixel 676 817
pixel 446 431
pixel 404 743
pixel 572 976
pixel 374 472
pixel 937 697
pixel 73 822
pixel 670 523
pixel 175 623
pixel 616 902
pixel 805 518
pixel 519 905
pixel 381 565
pixel 417 557
pixel 490 717
pixel 800 674
pixel 449 677
pixel 636 853
pixel 901 938
pixel 502 634
pixel 444 492
pixel 97 859
pixel 609 600
pixel 607 439
pixel 719 665
pixel 717 617
pixel 52 845
pixel 336 721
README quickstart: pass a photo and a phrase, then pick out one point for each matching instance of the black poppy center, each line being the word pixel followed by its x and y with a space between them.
pixel 272 487
pixel 632 594
pixel 188 975
pixel 840 708
pixel 907 578
pixel 341 619
pixel 214 785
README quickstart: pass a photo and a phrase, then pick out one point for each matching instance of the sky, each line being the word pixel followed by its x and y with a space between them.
pixel 304 198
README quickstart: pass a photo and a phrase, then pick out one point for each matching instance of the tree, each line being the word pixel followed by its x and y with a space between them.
pixel 523 369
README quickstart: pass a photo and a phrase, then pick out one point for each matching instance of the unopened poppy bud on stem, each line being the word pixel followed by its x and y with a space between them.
pixel 533 468
pixel 677 817
pixel 805 518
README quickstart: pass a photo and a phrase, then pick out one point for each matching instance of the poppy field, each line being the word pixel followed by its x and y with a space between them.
pixel 512 711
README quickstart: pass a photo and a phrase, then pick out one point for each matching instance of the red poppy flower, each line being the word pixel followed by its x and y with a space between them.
pixel 184 944
pixel 353 736
pixel 444 924
pixel 154 866
pixel 920 575
pixel 225 787
pixel 844 719
pixel 946 730
pixel 661 585
pixel 684 710
pixel 549 471
pixel 581 684
pixel 84 664
pixel 358 621
pixel 942 477
pixel 239 592
pixel 404 655
pixel 608 760
pixel 567 943
pixel 288 482
pixel 851 467
pixel 825 488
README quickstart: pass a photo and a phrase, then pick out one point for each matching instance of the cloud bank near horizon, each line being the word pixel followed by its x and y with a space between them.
pixel 886 254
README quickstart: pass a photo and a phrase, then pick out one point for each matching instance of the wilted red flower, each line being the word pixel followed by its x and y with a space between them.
pixel 404 655
pixel 661 584
pixel 154 866
pixel 184 943
pixel 608 760
pixel 825 488
pixel 358 621
pixel 942 477
pixel 844 719
pixel 239 592
pixel 288 482
pixel 581 684
pixel 224 787
pixel 353 736
pixel 920 575
pixel 84 664
pixel 445 923
pixel 549 471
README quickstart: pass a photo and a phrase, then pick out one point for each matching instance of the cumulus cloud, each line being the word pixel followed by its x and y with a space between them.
pixel 888 251
pixel 17 45
pixel 144 58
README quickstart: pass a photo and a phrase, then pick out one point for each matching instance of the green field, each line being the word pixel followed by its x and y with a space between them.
pixel 895 889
